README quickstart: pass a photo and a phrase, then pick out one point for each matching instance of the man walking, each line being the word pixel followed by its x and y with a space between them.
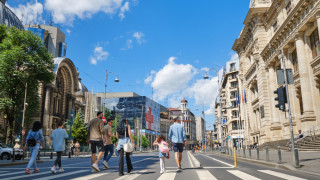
pixel 95 133
pixel 108 148
pixel 177 137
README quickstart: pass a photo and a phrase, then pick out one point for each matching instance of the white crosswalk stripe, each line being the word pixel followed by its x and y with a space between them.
pixel 28 175
pixel 242 175
pixel 91 176
pixel 54 176
pixel 8 174
pixel 131 176
pixel 281 175
pixel 3 171
pixel 205 175
pixel 169 175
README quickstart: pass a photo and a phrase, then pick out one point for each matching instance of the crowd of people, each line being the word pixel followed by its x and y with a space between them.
pixel 100 138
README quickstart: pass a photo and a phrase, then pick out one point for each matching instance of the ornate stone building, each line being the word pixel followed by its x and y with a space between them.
pixel 270 27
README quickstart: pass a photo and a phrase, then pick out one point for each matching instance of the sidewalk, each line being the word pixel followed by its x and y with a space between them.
pixel 309 161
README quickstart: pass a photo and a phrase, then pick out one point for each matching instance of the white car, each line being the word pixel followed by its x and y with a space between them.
pixel 6 153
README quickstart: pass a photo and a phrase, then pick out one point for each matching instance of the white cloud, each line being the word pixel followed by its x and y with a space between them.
pixel 138 36
pixel 29 13
pixel 129 43
pixel 99 55
pixel 65 11
pixel 172 78
pixel 68 31
pixel 150 77
pixel 123 9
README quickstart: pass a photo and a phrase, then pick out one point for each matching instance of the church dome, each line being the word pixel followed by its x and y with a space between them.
pixel 184 100
pixel 7 17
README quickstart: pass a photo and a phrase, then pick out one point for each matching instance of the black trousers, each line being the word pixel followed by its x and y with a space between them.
pixel 58 160
pixel 121 163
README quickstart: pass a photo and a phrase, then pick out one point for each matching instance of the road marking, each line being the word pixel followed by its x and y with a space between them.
pixel 242 175
pixel 8 174
pixel 142 160
pixel 91 176
pixel 281 175
pixel 205 174
pixel 132 176
pixel 215 167
pixel 28 175
pixel 168 175
pixel 218 160
pixel 61 175
pixel 190 160
pixel 3 171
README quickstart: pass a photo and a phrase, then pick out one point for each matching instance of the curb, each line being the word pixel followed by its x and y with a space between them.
pixel 18 163
pixel 270 164
pixel 194 160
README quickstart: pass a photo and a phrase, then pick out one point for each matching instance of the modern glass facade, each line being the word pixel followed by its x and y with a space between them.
pixel 37 31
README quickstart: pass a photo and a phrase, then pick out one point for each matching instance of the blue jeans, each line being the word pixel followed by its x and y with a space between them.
pixel 107 149
pixel 34 152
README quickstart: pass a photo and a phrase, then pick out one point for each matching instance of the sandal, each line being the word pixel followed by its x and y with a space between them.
pixel 28 171
pixel 36 171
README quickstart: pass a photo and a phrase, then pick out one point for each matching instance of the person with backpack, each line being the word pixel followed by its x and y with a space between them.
pixel 58 137
pixel 34 138
pixel 163 151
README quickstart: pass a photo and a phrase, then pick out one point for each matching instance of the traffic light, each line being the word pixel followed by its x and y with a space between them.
pixel 281 98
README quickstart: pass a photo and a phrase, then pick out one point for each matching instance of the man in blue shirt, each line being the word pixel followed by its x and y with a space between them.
pixel 177 137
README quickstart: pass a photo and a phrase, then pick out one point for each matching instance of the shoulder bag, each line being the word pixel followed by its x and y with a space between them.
pixel 127 147
pixel 31 141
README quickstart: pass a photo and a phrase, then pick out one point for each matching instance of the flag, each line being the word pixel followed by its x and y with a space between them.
pixel 242 98
pixel 245 97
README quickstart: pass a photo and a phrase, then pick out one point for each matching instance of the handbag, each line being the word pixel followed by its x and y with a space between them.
pixel 31 142
pixel 127 147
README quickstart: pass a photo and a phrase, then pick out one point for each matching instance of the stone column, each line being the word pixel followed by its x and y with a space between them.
pixel 304 78
pixel 318 22
pixel 46 113
pixel 275 124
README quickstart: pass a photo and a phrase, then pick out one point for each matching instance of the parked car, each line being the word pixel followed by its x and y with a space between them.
pixel 6 153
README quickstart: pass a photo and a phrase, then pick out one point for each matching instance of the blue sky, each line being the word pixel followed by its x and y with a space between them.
pixel 165 45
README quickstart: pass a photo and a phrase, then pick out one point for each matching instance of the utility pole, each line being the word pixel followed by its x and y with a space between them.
pixel 105 94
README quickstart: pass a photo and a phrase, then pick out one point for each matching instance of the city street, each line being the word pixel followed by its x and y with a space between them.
pixel 146 166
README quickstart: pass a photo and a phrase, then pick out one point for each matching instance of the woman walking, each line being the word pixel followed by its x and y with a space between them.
pixel 58 137
pixel 123 131
pixel 77 146
pixel 33 140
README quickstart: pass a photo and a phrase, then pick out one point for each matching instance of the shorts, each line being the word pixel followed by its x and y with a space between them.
pixel 178 147
pixel 95 144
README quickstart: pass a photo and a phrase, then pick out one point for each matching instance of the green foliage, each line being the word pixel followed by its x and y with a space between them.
pixel 24 60
pixel 79 131
pixel 107 114
pixel 114 128
pixel 145 142
pixel 135 138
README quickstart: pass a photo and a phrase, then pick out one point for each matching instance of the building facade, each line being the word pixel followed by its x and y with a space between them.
pixel 200 128
pixel 187 120
pixel 273 30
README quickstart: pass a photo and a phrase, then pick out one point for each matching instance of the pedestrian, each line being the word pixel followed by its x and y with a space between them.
pixel 72 148
pixel 34 138
pixel 58 137
pixel 77 147
pixel 122 133
pixel 163 150
pixel 95 134
pixel 177 137
pixel 108 148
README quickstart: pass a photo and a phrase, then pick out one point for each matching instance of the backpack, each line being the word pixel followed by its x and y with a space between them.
pixel 163 148
pixel 31 141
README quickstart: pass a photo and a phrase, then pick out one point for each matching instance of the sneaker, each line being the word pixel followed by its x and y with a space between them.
pixel 36 171
pixel 121 174
pixel 105 164
pixel 28 171
pixel 104 168
pixel 161 172
pixel 95 167
pixel 53 170
pixel 179 168
pixel 61 170
pixel 129 170
pixel 93 171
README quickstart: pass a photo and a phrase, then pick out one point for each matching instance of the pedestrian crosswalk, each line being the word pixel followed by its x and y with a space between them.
pixel 200 174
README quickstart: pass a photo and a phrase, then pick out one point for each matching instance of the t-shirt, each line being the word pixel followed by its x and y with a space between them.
pixel 108 129
pixel 58 137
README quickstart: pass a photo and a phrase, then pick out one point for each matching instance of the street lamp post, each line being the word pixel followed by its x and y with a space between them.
pixel 105 91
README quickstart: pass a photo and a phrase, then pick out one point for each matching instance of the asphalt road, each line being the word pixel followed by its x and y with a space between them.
pixel 146 166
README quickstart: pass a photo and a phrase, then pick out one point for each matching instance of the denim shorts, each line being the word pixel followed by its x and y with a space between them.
pixel 178 147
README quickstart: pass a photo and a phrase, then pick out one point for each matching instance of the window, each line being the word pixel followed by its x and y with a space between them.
pixel 294 61
pixel 233 94
pixel 288 7
pixel 234 84
pixel 275 26
pixel 235 114
pixel 234 75
pixel 232 67
pixel 314 42
pixel 234 104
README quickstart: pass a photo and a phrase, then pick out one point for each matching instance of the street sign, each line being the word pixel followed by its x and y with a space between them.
pixel 204 140
pixel 224 121
pixel 23 132
pixel 280 76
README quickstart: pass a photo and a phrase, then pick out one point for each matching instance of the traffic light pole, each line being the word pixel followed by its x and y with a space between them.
pixel 295 153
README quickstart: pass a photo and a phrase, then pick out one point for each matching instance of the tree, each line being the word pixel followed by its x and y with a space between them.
pixel 145 142
pixel 23 60
pixel 107 114
pixel 79 131
pixel 114 128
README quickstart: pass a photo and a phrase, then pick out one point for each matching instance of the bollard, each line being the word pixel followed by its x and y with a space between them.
pixel 267 153
pixel 244 152
pixel 69 154
pixel 279 155
pixel 13 155
pixel 38 155
pixel 249 151
pixel 23 155
pixel 51 155
pixel 258 153
pixel 296 157
pixel 235 157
